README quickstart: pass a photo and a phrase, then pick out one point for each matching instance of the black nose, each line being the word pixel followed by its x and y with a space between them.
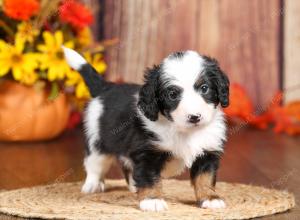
pixel 194 118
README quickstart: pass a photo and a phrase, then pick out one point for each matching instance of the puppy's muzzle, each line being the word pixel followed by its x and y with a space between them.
pixel 194 119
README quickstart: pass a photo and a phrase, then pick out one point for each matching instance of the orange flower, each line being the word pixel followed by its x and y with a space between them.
pixel 240 103
pixel 76 14
pixel 285 119
pixel 21 9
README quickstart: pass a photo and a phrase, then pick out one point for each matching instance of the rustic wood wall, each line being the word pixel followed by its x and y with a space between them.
pixel 95 6
pixel 243 35
pixel 292 50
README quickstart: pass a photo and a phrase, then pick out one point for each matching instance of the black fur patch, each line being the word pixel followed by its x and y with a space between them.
pixel 157 96
pixel 207 163
pixel 148 101
pixel 149 163
pixel 177 55
pixel 218 82
pixel 121 129
pixel 212 95
pixel 169 99
pixel 93 80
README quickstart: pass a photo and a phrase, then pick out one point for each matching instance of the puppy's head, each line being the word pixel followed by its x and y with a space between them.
pixel 186 88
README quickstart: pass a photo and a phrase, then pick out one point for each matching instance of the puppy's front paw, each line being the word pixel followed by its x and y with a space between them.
pixel 93 187
pixel 154 205
pixel 132 188
pixel 216 203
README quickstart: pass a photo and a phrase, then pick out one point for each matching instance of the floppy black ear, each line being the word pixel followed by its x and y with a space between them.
pixel 220 79
pixel 223 88
pixel 148 102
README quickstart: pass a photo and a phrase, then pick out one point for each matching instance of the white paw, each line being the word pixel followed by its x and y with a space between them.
pixel 93 187
pixel 213 204
pixel 154 205
pixel 132 188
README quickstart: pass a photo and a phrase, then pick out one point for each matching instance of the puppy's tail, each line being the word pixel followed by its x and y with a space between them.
pixel 92 79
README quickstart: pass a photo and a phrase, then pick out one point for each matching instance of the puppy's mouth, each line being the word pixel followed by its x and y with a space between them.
pixel 195 125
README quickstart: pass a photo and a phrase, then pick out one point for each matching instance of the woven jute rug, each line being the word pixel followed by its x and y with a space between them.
pixel 64 201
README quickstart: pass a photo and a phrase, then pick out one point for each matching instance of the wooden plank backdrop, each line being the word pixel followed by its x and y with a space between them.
pixel 243 35
pixel 97 10
pixel 292 50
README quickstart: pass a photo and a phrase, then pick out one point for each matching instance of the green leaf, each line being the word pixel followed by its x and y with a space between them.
pixel 54 91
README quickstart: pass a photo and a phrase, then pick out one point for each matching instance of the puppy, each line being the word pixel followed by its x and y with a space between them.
pixel 173 121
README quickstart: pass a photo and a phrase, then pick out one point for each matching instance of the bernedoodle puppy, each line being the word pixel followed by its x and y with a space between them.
pixel 171 122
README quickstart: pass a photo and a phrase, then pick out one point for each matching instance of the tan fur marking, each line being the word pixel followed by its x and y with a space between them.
pixel 204 188
pixel 150 192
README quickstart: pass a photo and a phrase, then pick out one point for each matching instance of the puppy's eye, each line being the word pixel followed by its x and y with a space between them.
pixel 204 89
pixel 173 95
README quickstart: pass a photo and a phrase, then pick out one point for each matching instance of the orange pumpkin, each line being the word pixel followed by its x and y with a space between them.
pixel 26 114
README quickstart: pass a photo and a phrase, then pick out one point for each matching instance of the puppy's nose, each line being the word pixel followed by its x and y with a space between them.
pixel 194 118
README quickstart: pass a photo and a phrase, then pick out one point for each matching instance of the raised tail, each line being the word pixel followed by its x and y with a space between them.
pixel 92 79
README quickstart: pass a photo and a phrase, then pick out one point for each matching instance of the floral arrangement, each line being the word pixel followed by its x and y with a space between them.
pixel 283 118
pixel 32 33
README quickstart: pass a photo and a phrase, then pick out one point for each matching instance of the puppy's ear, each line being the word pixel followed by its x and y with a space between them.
pixel 223 88
pixel 148 102
pixel 219 78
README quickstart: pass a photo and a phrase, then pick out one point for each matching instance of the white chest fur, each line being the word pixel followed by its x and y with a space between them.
pixel 190 144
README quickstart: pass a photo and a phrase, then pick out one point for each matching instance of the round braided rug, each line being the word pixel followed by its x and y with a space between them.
pixel 64 201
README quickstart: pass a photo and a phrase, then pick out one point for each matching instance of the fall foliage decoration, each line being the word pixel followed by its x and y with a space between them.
pixel 75 13
pixel 33 33
pixel 21 9
pixel 283 118
pixel 35 117
pixel 33 68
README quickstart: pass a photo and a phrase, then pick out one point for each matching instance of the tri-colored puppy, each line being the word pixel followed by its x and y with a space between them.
pixel 156 130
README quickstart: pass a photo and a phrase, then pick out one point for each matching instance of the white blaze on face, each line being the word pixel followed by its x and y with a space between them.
pixel 184 72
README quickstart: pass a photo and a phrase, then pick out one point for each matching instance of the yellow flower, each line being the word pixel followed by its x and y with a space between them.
pixel 26 32
pixel 82 91
pixel 96 61
pixel 53 57
pixel 29 77
pixel 75 79
pixel 85 37
pixel 13 58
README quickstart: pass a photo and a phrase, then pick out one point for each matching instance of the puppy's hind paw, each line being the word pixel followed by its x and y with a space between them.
pixel 93 187
pixel 154 205
pixel 212 204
